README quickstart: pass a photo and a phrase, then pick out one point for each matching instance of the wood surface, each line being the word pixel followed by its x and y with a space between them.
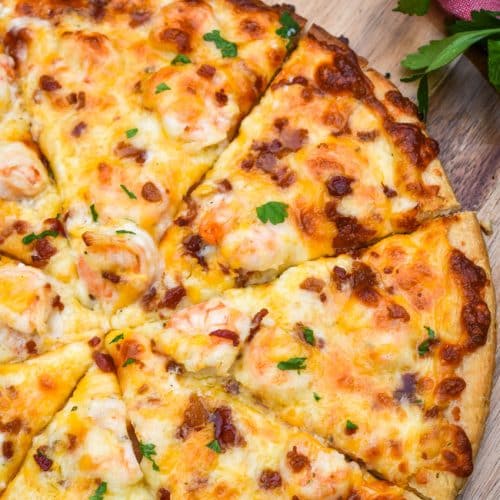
pixel 465 118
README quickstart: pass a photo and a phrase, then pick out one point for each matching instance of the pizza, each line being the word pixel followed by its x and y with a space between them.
pixel 231 264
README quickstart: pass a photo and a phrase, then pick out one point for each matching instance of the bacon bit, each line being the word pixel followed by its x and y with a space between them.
pixel 12 427
pixel 72 441
pixel 78 129
pixel 206 71
pixel 43 461
pixel 56 225
pixel 193 245
pixel 450 354
pixel 57 304
pixel 48 83
pixel 163 494
pixel 255 324
pixel 195 417
pixel 94 341
pixel 44 251
pixel 104 361
pixel 20 226
pixel 266 161
pixel 134 441
pixel 450 388
pixel 293 139
pixel 221 97
pixel 367 136
pixel 16 43
pixel 224 186
pixel 242 277
pixel 226 334
pixel 172 297
pixel 339 185
pixel 189 215
pixel 8 449
pixel 284 177
pixel 139 17
pixel 31 347
pixel 270 479
pixel 364 281
pixel 398 312
pixel 150 192
pixel 407 389
pixel 432 412
pixel 111 276
pixel 127 150
pixel 389 192
pixel 313 284
pixel 297 461
pixel 173 367
pixel 148 299
pixel 232 386
pixel 340 276
pixel 225 432
pixel 78 99
pixel 178 37
pixel 281 123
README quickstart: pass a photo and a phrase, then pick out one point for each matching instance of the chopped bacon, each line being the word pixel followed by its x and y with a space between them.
pixel 226 334
pixel 44 250
pixel 57 304
pixel 195 417
pixel 78 129
pixel 163 494
pixel 43 461
pixel 389 192
pixel 127 150
pixel 11 427
pixel 221 97
pixel 339 185
pixel 206 71
pixel 8 449
pixel 255 324
pixel 31 347
pixel 225 431
pixel 232 386
pixel 111 276
pixel 224 186
pixel 104 361
pixel 150 192
pixel 398 312
pixel 297 461
pixel 48 83
pixel 193 245
pixel 172 297
pixel 94 341
pixel 270 479
pixel 313 284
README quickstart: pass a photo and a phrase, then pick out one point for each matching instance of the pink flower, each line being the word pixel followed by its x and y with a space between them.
pixel 463 8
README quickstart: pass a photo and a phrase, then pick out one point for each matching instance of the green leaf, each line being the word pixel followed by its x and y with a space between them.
pixel 273 211
pixel 161 87
pixel 128 361
pixel 494 63
pixel 423 347
pixel 124 231
pixel 119 337
pixel 227 48
pixel 308 335
pixel 480 20
pixel 423 98
pixel 99 492
pixel 413 7
pixel 293 364
pixel 131 132
pixel 438 53
pixel 93 211
pixel 412 78
pixel 289 26
pixel 351 426
pixel 317 397
pixel 430 332
pixel 30 238
pixel 148 450
pixel 215 446
pixel 131 195
pixel 180 59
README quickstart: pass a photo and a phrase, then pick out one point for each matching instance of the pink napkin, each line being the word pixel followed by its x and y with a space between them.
pixel 462 8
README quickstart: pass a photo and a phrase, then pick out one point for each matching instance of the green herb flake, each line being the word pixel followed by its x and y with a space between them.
pixel 93 212
pixel 273 211
pixel 74 408
pixel 99 492
pixel 308 335
pixel 30 238
pixel 180 59
pixel 148 450
pixel 119 337
pixel 289 28
pixel 124 231
pixel 351 426
pixel 293 364
pixel 128 361
pixel 316 396
pixel 413 7
pixel 131 195
pixel 215 446
pixel 423 347
pixel 227 48
pixel 131 132
pixel 161 87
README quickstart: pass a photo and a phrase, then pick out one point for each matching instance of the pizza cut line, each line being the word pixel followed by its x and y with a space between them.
pixel 260 223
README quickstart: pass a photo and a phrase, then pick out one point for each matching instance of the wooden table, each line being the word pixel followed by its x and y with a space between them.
pixel 465 118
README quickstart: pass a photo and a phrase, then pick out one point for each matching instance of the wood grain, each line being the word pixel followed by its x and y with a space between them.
pixel 465 118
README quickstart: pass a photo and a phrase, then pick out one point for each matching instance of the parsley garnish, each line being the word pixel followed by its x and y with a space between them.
pixel 413 7
pixel 131 195
pixel 74 408
pixel 128 361
pixel 293 364
pixel 351 426
pixel 148 451
pixel 124 231
pixel 99 492
pixel 30 238
pixel 161 87
pixel 131 132
pixel 308 335
pixel 423 348
pixel 227 48
pixel 120 336
pixel 215 446
pixel 273 211
pixel 317 397
pixel 180 59
pixel 93 211
pixel 289 28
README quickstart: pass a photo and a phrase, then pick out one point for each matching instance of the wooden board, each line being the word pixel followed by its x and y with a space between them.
pixel 465 118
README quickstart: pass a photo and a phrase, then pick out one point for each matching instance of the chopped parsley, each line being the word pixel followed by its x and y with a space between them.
pixel 74 408
pixel 161 87
pixel 227 48
pixel 93 211
pixel 99 492
pixel 289 28
pixel 215 446
pixel 180 59
pixel 351 426
pixel 308 335
pixel 148 451
pixel 131 195
pixel 30 238
pixel 124 231
pixel 273 211
pixel 293 364
pixel 119 337
pixel 128 361
pixel 317 397
pixel 131 132
pixel 423 347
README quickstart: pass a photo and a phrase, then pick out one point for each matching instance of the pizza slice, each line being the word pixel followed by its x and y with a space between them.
pixel 85 450
pixel 386 353
pixel 133 103
pixel 332 158
pixel 202 439
pixel 39 313
pixel 30 394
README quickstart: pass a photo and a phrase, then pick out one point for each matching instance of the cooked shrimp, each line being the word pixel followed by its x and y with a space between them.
pixel 22 174
pixel 6 71
pixel 215 222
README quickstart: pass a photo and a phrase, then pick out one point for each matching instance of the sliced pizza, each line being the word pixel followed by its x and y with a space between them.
pixel 85 450
pixel 131 103
pixel 201 439
pixel 388 353
pixel 30 394
pixel 332 158
pixel 39 313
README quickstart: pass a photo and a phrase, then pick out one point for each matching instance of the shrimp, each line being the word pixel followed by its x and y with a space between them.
pixel 22 174
pixel 215 222
pixel 6 73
